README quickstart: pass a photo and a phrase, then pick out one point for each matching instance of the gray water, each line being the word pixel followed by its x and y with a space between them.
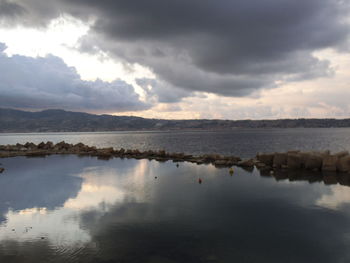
pixel 240 142
pixel 71 209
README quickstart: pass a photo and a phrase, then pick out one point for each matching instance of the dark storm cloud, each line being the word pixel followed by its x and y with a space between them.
pixel 9 9
pixel 230 47
pixel 47 82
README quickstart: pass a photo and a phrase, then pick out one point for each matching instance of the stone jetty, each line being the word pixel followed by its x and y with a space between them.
pixel 313 161
pixel 323 161
pixel 42 149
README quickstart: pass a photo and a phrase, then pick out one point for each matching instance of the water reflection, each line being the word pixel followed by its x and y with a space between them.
pixel 88 210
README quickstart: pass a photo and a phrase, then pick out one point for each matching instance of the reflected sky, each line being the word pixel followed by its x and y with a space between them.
pixel 73 209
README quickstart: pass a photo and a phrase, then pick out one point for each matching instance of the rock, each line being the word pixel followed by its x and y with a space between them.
pixel 323 153
pixel 260 166
pixel 80 147
pixel 188 156
pixel 279 159
pixel 62 146
pixel 30 146
pixel 41 145
pixel 162 153
pixel 2 170
pixel 246 163
pixel 343 164
pixel 48 146
pixel 220 162
pixel 344 180
pixel 330 179
pixel 122 151
pixel 136 152
pixel 313 162
pixel 211 157
pixel 178 156
pixel 341 154
pixel 128 152
pixel 329 163
pixel 294 160
pixel 199 161
pixel 265 158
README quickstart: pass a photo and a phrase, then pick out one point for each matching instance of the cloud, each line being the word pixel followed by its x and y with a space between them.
pixel 47 82
pixel 162 92
pixel 227 47
pixel 9 9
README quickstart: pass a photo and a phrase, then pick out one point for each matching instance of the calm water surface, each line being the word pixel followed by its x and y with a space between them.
pixel 71 209
pixel 241 142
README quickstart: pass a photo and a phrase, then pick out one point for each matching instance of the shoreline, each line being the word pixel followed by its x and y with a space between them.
pixel 13 132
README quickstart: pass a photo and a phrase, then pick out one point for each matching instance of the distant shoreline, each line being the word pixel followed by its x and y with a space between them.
pixel 165 131
pixel 16 121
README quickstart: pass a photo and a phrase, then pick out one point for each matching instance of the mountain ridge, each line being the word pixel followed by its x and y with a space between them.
pixel 58 120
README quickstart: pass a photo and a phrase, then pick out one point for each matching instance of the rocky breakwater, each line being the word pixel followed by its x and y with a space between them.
pixel 265 162
pixel 312 161
pixel 48 148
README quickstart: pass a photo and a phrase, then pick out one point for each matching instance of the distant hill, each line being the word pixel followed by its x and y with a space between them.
pixel 67 121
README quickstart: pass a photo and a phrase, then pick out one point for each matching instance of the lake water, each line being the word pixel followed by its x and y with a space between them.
pixel 240 142
pixel 71 209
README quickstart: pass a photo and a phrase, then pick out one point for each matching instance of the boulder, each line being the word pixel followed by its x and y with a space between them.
pixel 246 163
pixel 294 160
pixel 161 153
pixel 109 150
pixel 48 145
pixel 80 147
pixel 344 180
pixel 329 163
pixel 41 145
pixel 341 154
pixel 136 152
pixel 220 162
pixel 62 146
pixel 324 153
pixel 293 151
pixel 343 164
pixel 177 156
pixel 211 157
pixel 261 166
pixel 313 161
pixel 122 151
pixel 265 158
pixel 330 179
pixel 128 152
pixel 235 159
pixel 279 159
pixel 30 145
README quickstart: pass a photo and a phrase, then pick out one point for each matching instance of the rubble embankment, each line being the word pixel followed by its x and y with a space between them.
pixel 291 160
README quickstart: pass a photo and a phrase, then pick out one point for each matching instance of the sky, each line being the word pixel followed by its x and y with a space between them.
pixel 222 59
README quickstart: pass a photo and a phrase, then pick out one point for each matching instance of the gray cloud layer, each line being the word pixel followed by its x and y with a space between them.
pixel 47 82
pixel 229 47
